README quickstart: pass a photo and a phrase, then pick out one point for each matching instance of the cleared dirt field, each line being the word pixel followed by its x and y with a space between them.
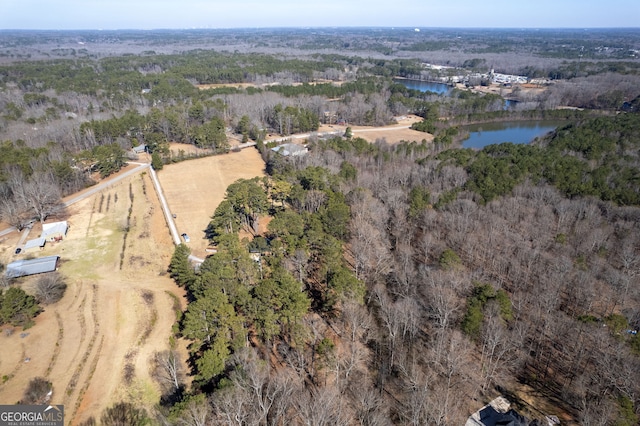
pixel 194 189
pixel 497 89
pixel 118 308
pixel 392 134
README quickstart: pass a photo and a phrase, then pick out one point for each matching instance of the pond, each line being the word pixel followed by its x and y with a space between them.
pixel 481 135
pixel 425 86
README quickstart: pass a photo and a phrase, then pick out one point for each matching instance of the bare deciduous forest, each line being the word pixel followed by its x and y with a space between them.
pixel 363 283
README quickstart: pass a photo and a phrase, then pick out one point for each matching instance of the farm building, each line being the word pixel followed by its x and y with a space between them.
pixel 54 231
pixel 290 150
pixel 21 268
pixel 140 149
pixel 34 245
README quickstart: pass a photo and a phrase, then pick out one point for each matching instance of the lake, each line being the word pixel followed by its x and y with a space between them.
pixel 481 135
pixel 424 86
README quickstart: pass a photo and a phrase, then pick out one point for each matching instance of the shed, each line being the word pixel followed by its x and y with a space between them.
pixel 36 243
pixel 21 268
pixel 290 150
pixel 140 149
pixel 54 231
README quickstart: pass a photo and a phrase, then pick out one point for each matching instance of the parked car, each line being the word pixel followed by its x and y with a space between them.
pixel 186 238
pixel 18 250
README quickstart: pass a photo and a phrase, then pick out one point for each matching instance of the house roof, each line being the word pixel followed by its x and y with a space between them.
pixel 497 413
pixel 36 242
pixel 20 268
pixel 490 417
pixel 54 228
pixel 289 149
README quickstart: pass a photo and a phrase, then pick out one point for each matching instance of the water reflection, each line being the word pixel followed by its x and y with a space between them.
pixel 424 86
pixel 481 135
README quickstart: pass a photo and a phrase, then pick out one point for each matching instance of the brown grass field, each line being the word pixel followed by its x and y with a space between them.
pixel 117 310
pixel 194 189
pixel 392 134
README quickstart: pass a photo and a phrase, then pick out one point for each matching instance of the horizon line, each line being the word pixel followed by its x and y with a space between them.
pixel 310 27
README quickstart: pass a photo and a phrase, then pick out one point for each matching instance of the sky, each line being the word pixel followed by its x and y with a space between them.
pixel 156 14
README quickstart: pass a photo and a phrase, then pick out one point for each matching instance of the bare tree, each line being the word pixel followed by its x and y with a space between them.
pixel 231 406
pixel 14 211
pixel 4 280
pixel 390 316
pixel 38 391
pixel 168 369
pixel 356 320
pixel 49 288
pixel 322 407
pixel 371 409
pixel 257 396
pixel 39 193
pixel 498 348
pixel 349 361
pixel 455 373
pixel 252 375
pixel 416 407
pixel 444 303
pixel 629 256
pixel 124 414
pixel 299 260
pixel 409 311
pixel 91 421
pixel 196 413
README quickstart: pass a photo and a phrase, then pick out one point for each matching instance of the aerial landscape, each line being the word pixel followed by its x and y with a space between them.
pixel 290 215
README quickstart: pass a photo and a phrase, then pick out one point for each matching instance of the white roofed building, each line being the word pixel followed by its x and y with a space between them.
pixel 290 150
pixel 54 231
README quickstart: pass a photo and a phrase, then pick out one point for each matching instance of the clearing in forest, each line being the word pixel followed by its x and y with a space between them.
pixel 194 189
